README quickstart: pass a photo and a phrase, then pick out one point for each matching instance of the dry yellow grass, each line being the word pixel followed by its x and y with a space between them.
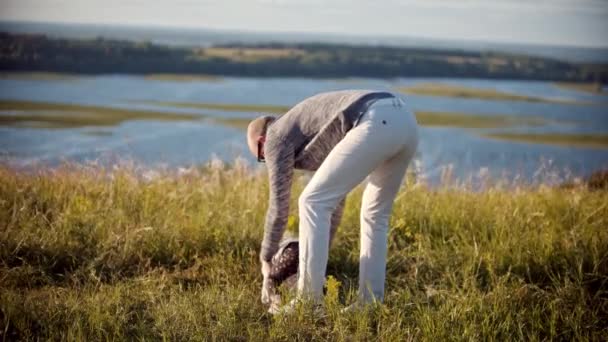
pixel 94 254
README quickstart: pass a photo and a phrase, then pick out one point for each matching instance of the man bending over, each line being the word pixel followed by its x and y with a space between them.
pixel 344 136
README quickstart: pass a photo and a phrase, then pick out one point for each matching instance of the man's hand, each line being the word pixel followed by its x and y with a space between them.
pixel 267 282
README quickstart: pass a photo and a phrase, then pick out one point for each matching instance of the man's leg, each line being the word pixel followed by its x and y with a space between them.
pixel 356 156
pixel 378 197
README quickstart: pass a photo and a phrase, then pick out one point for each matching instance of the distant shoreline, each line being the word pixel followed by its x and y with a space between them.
pixel 39 53
pixel 196 37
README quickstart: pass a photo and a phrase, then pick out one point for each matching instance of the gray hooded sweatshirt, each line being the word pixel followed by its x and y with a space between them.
pixel 301 139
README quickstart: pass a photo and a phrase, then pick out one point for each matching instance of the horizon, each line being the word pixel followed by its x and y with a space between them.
pixel 300 33
pixel 563 23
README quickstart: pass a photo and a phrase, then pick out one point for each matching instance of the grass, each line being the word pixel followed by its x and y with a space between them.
pixel 88 253
pixel 593 88
pixel 578 140
pixel 446 90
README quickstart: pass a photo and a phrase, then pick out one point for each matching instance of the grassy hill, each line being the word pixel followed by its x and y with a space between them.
pixel 127 254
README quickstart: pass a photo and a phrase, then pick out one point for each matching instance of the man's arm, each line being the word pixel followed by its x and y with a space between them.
pixel 280 162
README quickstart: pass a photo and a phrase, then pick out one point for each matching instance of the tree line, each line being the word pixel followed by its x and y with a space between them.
pixel 27 52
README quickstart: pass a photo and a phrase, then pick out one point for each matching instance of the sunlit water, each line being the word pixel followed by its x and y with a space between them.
pixel 186 143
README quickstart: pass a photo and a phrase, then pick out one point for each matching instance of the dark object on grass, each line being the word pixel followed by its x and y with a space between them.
pixel 283 271
pixel 285 263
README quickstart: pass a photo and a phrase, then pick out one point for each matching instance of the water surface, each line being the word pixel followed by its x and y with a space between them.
pixel 178 143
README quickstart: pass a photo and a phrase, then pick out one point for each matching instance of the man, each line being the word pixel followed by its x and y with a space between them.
pixel 345 136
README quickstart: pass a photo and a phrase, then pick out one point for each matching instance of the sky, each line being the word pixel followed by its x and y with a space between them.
pixel 550 22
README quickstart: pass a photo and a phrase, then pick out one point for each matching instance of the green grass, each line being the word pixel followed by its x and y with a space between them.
pixel 446 90
pixel 93 254
pixel 577 140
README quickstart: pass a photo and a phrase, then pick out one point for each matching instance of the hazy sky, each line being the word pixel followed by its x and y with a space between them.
pixel 563 22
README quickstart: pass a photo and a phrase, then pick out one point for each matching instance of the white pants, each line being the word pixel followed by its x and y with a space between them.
pixel 381 147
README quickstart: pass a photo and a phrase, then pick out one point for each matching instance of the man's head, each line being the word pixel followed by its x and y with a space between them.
pixel 256 134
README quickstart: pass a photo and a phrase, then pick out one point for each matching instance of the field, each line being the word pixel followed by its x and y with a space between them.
pixel 126 253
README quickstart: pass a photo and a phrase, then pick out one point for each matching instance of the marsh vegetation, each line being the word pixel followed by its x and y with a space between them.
pixel 61 116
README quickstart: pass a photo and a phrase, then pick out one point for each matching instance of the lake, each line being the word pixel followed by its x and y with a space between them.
pixel 462 151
